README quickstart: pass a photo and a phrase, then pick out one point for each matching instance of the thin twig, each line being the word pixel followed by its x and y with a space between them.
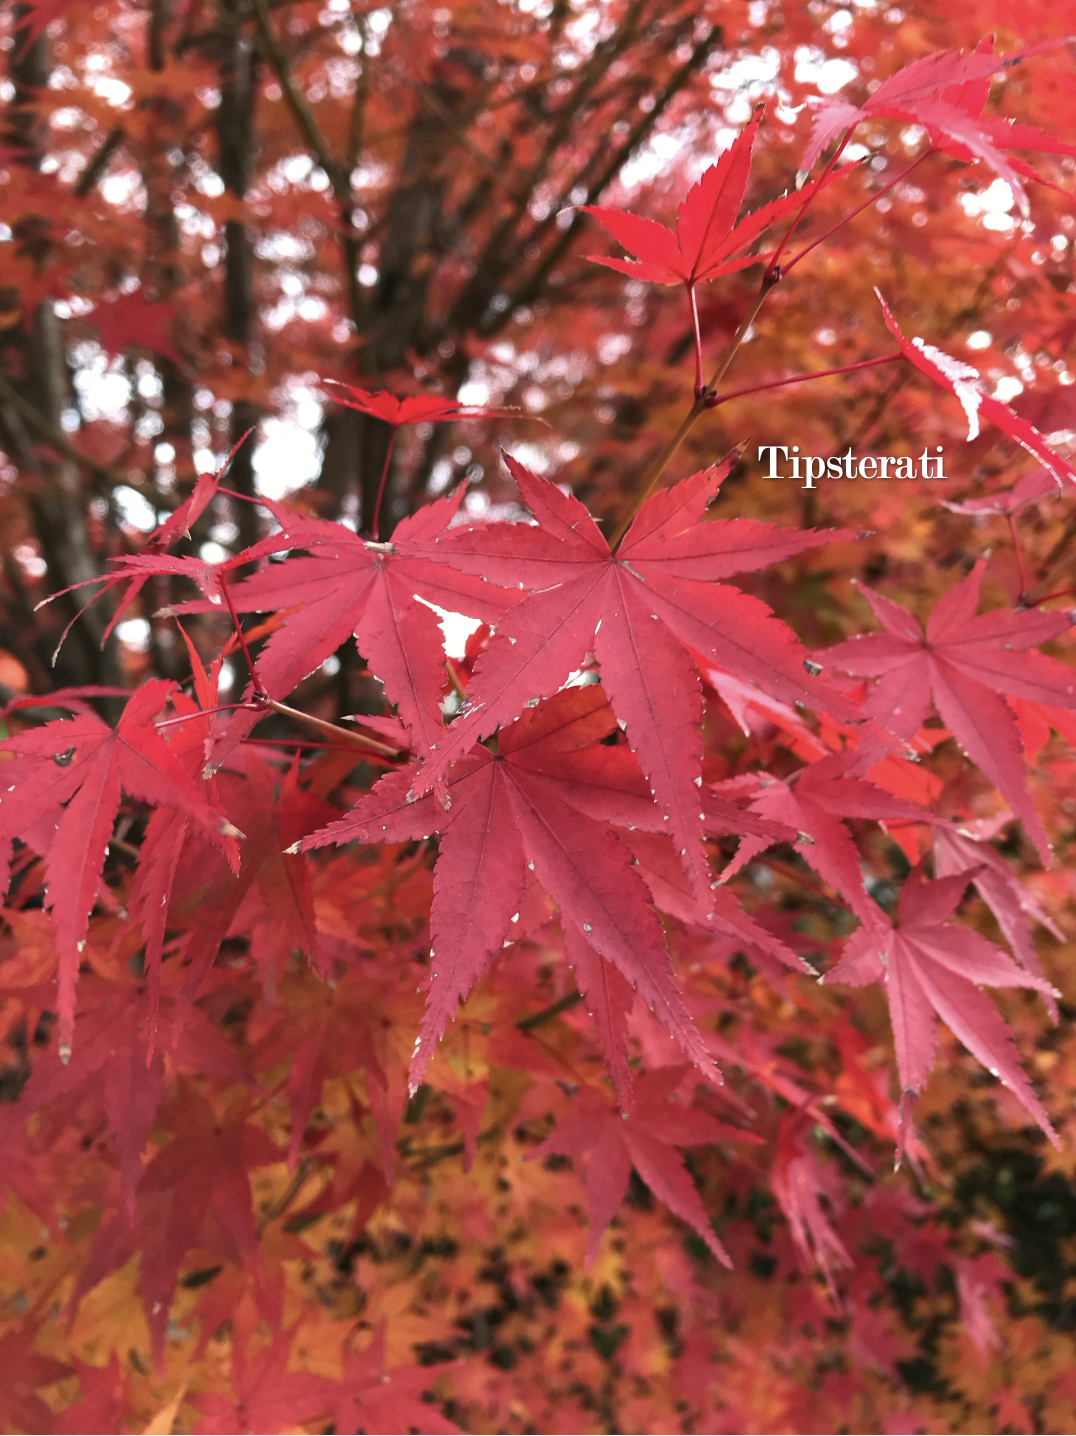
pixel 63 445
pixel 297 103
pixel 704 401
pixel 99 162
pixel 326 727
pixel 562 1004
pixel 294 1187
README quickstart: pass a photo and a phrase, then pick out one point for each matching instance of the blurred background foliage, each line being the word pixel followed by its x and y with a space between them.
pixel 211 208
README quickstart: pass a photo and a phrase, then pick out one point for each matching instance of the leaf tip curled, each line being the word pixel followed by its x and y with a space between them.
pixel 65 1052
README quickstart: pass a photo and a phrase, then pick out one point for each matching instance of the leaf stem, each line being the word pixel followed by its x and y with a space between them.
pixel 693 301
pixel 703 402
pixel 1021 575
pixel 802 378
pixel 774 266
pixel 201 713
pixel 375 527
pixel 871 199
pixel 1046 597
pixel 260 691
pixel 707 398
pixel 454 679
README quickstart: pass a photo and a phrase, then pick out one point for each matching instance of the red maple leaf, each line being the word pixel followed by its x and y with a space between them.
pixel 813 801
pixel 645 610
pixel 803 1187
pixel 645 1139
pixel 1032 488
pixel 132 320
pixel 931 966
pixel 977 1280
pixel 999 887
pixel 266 1395
pixel 943 92
pixel 40 15
pixel 62 794
pixel 103 1404
pixel 966 662
pixel 413 409
pixel 345 585
pixel 110 1067
pixel 371 1398
pixel 971 98
pixel 710 238
pixel 194 1192
pixel 136 569
pixel 541 803
pixel 963 381
pixel 25 1370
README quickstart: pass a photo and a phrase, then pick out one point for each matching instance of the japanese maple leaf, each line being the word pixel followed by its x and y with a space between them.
pixel 1032 488
pixel 62 794
pixel 645 1139
pixel 645 611
pixel 710 238
pixel 346 586
pixel 266 1398
pixel 931 967
pixel 194 1192
pixel 963 381
pixel 135 570
pixel 542 802
pixel 103 1404
pixel 277 912
pixel 413 409
pixel 932 92
pixel 720 913
pixel 966 662
pixel 1049 409
pixel 109 1065
pixel 25 1370
pixel 40 15
pixel 371 1398
pixel 978 1279
pixel 800 1181
pixel 813 801
pixel 131 319
pixel 1002 891
pixel 970 98
pixel 75 700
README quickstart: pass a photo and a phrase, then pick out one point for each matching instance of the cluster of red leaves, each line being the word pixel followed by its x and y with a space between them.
pixel 563 771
